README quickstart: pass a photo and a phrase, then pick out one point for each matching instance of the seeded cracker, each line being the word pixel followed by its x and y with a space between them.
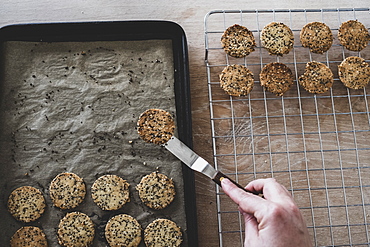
pixel 156 190
pixel 317 36
pixel 277 38
pixel 317 78
pixel 76 229
pixel 353 35
pixel 162 232
pixel 276 78
pixel 156 126
pixel 110 192
pixel 67 190
pixel 28 236
pixel 354 72
pixel 123 230
pixel 236 80
pixel 238 41
pixel 26 203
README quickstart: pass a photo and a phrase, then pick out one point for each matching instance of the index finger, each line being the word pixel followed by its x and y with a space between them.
pixel 248 202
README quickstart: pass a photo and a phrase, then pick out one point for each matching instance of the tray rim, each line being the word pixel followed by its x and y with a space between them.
pixel 132 30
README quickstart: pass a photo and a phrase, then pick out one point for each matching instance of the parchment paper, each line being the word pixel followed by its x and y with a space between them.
pixel 73 107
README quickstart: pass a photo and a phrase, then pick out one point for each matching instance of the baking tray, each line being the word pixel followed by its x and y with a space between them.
pixel 315 145
pixel 87 40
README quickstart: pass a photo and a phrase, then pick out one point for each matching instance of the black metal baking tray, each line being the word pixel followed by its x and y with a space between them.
pixel 127 31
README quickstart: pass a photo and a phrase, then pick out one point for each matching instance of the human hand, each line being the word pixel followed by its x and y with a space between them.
pixel 274 220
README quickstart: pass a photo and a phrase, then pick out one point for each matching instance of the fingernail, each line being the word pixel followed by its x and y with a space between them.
pixel 225 181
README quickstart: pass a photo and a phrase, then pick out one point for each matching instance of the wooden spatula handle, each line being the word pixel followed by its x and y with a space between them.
pixel 219 176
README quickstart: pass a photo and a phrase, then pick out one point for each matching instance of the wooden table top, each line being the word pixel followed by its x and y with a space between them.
pixel 190 15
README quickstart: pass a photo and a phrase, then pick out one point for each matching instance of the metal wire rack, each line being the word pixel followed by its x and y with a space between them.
pixel 316 145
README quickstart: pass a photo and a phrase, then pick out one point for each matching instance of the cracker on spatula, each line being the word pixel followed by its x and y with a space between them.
pixel 156 126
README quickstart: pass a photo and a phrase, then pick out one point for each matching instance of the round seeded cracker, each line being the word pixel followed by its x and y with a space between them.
pixel 276 78
pixel 156 126
pixel 238 41
pixel 317 78
pixel 162 232
pixel 123 230
pixel 67 190
pixel 26 203
pixel 236 80
pixel 28 236
pixel 353 35
pixel 317 36
pixel 354 72
pixel 76 229
pixel 277 38
pixel 156 190
pixel 110 192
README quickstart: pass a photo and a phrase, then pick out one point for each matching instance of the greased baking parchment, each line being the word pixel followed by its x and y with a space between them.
pixel 73 107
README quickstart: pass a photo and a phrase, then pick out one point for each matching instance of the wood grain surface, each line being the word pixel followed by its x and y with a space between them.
pixel 190 15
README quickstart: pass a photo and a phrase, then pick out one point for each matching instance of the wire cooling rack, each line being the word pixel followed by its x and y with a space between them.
pixel 318 146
